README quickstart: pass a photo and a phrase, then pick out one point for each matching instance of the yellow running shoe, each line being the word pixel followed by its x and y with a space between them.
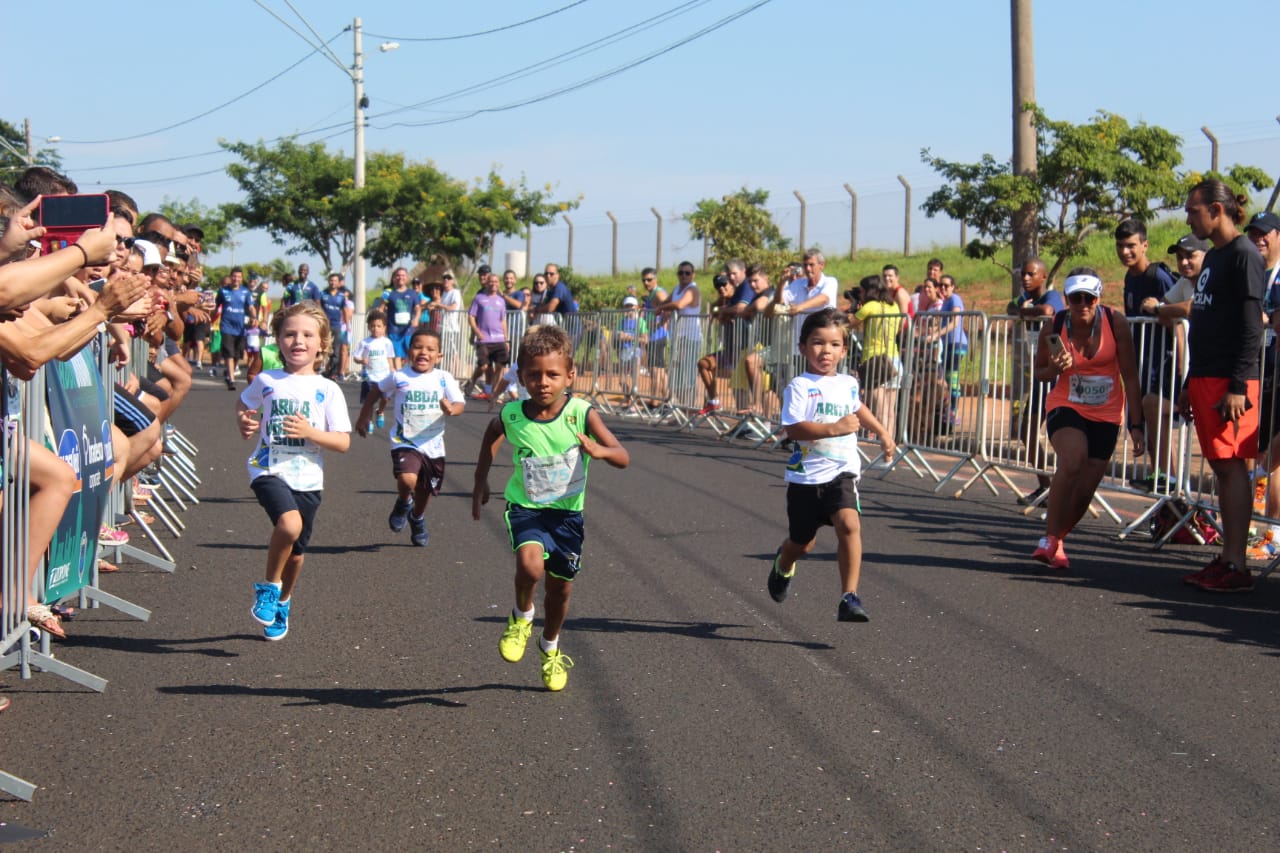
pixel 514 639
pixel 555 667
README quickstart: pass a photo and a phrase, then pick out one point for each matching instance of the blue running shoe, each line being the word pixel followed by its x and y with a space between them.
pixel 382 421
pixel 266 601
pixel 418 531
pixel 399 515
pixel 277 629
pixel 851 609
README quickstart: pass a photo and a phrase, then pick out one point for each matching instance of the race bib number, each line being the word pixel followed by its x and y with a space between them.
pixel 419 419
pixel 550 478
pixel 298 466
pixel 840 448
pixel 1090 390
pixel 402 318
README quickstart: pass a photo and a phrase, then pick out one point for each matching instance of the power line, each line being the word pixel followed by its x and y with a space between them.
pixel 573 53
pixel 207 112
pixel 482 32
pixel 613 72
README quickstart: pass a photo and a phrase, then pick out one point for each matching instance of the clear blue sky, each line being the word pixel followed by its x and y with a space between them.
pixel 795 95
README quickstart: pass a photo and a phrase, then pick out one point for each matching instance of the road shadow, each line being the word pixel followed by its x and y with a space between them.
pixel 371 699
pixel 694 630
pixel 160 646
pixel 311 549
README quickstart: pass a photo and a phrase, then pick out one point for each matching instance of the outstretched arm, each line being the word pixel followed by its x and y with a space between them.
pixel 599 443
pixel 488 450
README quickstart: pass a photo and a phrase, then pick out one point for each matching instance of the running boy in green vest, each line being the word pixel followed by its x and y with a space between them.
pixel 553 436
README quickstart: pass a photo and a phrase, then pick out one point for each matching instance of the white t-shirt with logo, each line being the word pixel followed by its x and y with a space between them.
pixel 822 400
pixel 379 351
pixel 416 402
pixel 276 394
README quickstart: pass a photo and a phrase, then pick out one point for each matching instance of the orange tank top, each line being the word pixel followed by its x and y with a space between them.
pixel 1092 386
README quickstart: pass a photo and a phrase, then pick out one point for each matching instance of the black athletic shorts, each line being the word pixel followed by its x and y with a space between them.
pixel 1101 436
pixel 812 506
pixel 131 416
pixel 275 496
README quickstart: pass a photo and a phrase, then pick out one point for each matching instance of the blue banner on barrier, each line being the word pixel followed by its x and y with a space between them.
pixel 82 438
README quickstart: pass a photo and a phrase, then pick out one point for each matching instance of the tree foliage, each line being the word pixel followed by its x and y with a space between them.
pixel 1089 176
pixel 304 196
pixel 739 226
pixel 12 165
pixel 217 226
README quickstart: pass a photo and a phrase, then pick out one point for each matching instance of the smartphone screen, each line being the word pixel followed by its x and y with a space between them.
pixel 97 284
pixel 1055 343
pixel 74 211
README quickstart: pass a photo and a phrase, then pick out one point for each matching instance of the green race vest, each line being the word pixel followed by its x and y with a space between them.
pixel 550 467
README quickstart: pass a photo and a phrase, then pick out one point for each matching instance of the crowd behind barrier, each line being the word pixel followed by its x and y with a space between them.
pixel 954 389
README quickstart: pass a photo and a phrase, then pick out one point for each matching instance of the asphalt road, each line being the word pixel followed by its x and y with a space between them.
pixel 988 705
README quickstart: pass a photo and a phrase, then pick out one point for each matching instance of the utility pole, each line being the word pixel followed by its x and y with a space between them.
pixel 31 155
pixel 1026 243
pixel 358 268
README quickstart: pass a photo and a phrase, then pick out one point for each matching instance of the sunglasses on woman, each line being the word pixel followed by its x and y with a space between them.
pixel 1079 297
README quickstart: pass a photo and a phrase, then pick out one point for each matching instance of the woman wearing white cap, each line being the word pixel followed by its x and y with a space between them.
pixel 1087 352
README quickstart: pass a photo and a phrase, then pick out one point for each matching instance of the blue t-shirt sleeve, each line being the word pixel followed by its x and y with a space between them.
pixel 1054 298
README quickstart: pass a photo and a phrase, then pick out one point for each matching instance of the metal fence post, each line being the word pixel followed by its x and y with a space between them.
pixel 657 264
pixel 528 248
pixel 853 221
pixel 803 245
pixel 1213 148
pixel 706 253
pixel 906 218
pixel 569 222
pixel 614 220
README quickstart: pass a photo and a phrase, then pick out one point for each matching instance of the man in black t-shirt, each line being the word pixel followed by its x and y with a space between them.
pixel 1152 342
pixel 1222 388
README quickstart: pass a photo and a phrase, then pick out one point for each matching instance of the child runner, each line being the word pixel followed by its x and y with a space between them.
pixel 423 394
pixel 822 412
pixel 553 437
pixel 304 414
pixel 376 355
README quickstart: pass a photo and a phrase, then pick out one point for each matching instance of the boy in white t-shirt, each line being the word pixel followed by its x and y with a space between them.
pixel 822 412
pixel 422 396
pixel 375 355
pixel 295 413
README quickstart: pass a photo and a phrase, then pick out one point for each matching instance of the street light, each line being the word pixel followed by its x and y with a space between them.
pixel 362 104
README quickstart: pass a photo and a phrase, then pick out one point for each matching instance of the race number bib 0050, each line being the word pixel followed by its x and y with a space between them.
pixel 1090 390
pixel 550 478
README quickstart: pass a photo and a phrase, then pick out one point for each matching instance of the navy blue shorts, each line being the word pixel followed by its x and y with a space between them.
pixel 560 532
pixel 275 496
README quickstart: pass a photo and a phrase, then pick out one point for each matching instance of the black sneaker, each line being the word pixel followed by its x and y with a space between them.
pixel 851 609
pixel 399 515
pixel 1033 498
pixel 231 383
pixel 418 534
pixel 779 584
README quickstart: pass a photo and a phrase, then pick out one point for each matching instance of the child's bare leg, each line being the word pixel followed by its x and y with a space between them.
pixel 421 495
pixel 289 577
pixel 280 549
pixel 790 553
pixel 52 484
pixel 529 570
pixel 406 485
pixel 848 526
pixel 555 602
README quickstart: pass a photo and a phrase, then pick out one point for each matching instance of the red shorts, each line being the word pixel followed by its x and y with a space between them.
pixel 1220 439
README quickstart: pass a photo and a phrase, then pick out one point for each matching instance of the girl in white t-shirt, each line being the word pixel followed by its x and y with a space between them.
pixel 295 413
pixel 822 412
pixel 422 395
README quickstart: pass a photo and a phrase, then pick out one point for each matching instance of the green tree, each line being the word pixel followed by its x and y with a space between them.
pixel 1089 177
pixel 15 144
pixel 303 196
pixel 739 226
pixel 420 212
pixel 213 221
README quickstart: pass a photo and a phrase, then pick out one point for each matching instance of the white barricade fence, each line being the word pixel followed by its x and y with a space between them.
pixel 940 399
pixel 616 377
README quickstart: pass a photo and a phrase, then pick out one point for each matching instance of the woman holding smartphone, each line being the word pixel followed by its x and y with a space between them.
pixel 1087 352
